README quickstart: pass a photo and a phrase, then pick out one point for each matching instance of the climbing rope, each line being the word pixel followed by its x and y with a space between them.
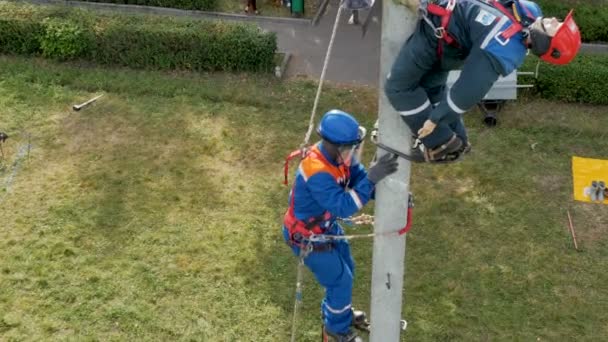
pixel 359 220
pixel 303 253
pixel 311 123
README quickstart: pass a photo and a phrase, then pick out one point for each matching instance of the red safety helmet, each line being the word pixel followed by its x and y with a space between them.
pixel 564 44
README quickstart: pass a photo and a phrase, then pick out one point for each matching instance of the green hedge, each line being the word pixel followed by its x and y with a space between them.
pixel 150 42
pixel 20 37
pixel 583 80
pixel 590 15
pixel 202 5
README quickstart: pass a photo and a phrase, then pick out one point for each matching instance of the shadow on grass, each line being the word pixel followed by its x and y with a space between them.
pixel 132 169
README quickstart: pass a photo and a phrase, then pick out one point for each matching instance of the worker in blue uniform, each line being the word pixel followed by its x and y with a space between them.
pixel 487 38
pixel 331 183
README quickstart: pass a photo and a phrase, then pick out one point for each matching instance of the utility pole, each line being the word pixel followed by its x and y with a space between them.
pixel 398 23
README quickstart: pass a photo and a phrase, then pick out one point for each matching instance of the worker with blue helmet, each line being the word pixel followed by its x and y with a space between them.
pixel 331 183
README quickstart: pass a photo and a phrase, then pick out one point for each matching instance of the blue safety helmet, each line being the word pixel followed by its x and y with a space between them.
pixel 339 128
pixel 527 11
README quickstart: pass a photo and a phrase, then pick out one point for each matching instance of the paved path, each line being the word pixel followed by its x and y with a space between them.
pixel 354 59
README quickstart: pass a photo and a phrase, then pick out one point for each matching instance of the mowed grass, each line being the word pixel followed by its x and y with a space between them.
pixel 154 215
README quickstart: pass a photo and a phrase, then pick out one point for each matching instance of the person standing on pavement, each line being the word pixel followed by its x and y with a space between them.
pixel 251 7
pixel 331 183
pixel 487 38
pixel 354 18
pixel 355 6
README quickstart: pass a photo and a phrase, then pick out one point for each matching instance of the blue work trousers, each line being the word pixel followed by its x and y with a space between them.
pixel 335 271
pixel 417 83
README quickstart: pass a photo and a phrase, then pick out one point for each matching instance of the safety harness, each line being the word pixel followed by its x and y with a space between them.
pixel 300 231
pixel 445 13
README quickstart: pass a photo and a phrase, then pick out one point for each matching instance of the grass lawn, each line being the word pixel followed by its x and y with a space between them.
pixel 154 215
pixel 267 7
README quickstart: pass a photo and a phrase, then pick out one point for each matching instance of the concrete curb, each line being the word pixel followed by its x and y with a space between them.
pixel 320 12
pixel 595 48
pixel 281 69
pixel 168 11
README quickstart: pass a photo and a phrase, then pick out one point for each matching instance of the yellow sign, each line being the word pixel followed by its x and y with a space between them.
pixel 590 179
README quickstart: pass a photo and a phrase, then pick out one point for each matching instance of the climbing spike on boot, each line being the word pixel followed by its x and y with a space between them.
pixel 350 336
pixel 360 321
pixel 448 152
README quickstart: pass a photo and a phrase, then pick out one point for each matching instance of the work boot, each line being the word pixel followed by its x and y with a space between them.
pixel 360 321
pixel 350 336
pixel 455 156
pixel 445 153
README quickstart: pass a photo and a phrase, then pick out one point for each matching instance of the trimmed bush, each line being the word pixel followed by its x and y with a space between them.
pixel 206 46
pixel 590 15
pixel 151 42
pixel 583 80
pixel 65 39
pixel 20 37
pixel 201 5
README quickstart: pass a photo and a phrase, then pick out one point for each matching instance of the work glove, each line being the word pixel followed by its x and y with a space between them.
pixel 386 165
pixel 427 128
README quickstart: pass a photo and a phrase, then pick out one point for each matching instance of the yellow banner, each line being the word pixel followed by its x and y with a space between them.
pixel 590 178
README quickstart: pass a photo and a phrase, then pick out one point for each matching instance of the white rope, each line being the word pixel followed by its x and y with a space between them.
pixel 311 123
pixel 360 220
pixel 298 300
pixel 323 238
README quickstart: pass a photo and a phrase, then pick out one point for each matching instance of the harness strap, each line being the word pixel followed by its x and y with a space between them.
pixel 410 219
pixel 445 13
pixel 296 225
pixel 312 225
pixel 515 27
pixel 301 152
pixel 317 247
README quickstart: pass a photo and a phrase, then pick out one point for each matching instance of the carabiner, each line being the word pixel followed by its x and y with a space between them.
pixel 440 32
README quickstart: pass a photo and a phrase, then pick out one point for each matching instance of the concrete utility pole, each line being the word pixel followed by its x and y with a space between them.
pixel 398 23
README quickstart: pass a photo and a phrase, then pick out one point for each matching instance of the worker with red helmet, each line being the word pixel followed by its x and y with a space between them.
pixel 330 184
pixel 487 39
